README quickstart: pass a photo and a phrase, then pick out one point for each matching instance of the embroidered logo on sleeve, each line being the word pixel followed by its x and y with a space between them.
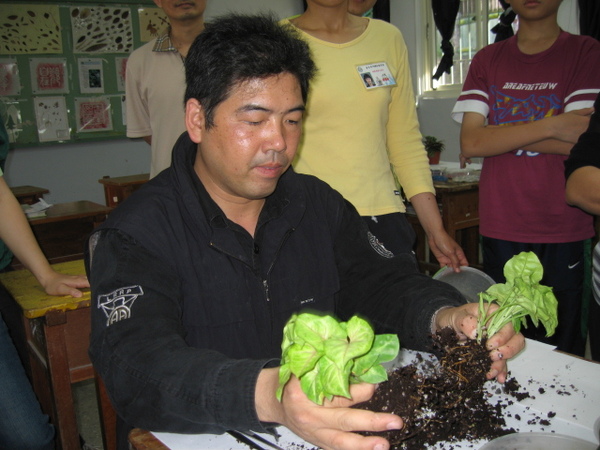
pixel 378 246
pixel 117 305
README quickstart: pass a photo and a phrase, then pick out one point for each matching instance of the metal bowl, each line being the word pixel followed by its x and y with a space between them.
pixel 469 281
pixel 538 441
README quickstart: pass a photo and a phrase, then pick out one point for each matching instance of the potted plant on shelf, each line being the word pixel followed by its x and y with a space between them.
pixel 434 148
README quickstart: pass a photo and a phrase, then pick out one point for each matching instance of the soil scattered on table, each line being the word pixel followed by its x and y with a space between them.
pixel 445 402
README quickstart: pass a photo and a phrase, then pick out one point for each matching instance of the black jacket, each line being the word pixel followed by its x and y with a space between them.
pixel 187 307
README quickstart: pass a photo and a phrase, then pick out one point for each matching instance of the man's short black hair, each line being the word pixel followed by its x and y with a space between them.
pixel 237 48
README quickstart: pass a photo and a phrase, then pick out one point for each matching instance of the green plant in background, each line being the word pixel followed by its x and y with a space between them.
pixel 521 296
pixel 327 355
pixel 433 145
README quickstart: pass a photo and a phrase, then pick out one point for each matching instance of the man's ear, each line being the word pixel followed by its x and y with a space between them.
pixel 194 119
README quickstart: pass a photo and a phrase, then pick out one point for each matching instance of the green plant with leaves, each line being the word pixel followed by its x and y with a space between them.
pixel 520 297
pixel 433 145
pixel 327 355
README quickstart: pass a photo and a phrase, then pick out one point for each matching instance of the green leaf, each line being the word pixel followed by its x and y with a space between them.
pixel 385 348
pixel 525 265
pixel 360 336
pixel 302 358
pixel 311 385
pixel 520 297
pixel 315 330
pixel 358 342
pixel 374 375
pixel 335 380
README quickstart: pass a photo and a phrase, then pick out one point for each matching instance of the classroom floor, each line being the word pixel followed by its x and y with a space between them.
pixel 88 419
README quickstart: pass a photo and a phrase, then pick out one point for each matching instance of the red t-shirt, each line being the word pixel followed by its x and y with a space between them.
pixel 522 194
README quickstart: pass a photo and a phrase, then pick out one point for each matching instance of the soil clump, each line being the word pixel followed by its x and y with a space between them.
pixel 445 402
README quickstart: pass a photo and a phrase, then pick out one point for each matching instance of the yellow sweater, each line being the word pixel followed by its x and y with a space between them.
pixel 352 133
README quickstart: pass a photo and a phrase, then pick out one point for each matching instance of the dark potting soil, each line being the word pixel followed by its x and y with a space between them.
pixel 445 402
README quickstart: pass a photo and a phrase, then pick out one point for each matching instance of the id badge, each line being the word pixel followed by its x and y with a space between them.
pixel 376 75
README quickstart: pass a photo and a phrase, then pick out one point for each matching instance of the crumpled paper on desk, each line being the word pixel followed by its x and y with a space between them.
pixel 37 209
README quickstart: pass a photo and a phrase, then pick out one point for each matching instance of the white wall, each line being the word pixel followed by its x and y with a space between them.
pixel 71 171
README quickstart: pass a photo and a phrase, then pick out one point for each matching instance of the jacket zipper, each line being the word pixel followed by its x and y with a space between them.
pixel 266 282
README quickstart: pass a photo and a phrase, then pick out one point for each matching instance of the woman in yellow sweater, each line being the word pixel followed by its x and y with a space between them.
pixel 354 131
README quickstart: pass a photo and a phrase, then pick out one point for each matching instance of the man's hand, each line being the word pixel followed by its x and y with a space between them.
pixel 331 425
pixel 502 346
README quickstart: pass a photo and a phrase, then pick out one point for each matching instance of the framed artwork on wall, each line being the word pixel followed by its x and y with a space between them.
pixel 62 67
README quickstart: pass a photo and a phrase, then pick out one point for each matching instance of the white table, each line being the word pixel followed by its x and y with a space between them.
pixel 537 367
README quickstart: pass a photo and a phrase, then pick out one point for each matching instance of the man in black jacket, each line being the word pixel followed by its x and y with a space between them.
pixel 195 275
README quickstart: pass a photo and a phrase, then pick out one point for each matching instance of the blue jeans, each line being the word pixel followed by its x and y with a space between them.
pixel 22 423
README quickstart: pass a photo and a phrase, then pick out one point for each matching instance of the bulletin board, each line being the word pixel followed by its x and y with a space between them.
pixel 62 67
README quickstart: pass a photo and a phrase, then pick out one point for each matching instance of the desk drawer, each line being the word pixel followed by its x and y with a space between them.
pixel 463 210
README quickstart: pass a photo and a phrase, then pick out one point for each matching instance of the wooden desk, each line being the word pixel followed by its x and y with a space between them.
pixel 62 232
pixel 57 332
pixel 28 195
pixel 144 440
pixel 459 207
pixel 118 189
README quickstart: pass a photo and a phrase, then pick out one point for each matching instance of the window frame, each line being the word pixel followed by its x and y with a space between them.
pixel 428 47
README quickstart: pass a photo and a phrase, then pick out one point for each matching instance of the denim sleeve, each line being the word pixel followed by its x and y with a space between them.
pixel 386 289
pixel 155 380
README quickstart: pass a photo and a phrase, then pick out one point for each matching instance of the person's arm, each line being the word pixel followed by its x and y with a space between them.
pixel 408 158
pixel 394 297
pixel 16 233
pixel 137 109
pixel 445 249
pixel 583 189
pixel 582 168
pixel 387 290
pixel 155 379
pixel 552 135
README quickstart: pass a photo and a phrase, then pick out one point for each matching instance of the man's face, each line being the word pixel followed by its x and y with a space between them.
pixel 359 7
pixel 253 140
pixel 182 9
